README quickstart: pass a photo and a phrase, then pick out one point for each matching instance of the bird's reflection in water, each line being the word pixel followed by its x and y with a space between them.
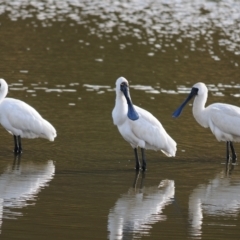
pixel 219 198
pixel 20 183
pixel 139 208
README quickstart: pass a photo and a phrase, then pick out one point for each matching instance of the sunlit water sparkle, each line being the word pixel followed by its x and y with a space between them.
pixel 160 24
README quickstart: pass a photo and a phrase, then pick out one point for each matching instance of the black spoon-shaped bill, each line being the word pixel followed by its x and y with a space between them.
pixel 132 113
pixel 178 111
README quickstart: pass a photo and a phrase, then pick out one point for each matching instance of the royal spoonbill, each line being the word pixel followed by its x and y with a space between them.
pixel 222 119
pixel 139 127
pixel 21 120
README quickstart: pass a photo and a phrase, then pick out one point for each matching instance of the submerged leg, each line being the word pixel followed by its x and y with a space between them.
pixel 144 164
pixel 15 144
pixel 137 160
pixel 227 153
pixel 19 144
pixel 234 155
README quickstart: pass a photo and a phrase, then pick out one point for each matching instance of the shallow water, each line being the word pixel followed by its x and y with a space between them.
pixel 63 58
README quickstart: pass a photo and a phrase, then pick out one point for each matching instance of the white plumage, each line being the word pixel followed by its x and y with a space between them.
pixel 21 120
pixel 222 119
pixel 139 127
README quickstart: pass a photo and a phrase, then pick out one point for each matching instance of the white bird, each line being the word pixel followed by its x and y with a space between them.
pixel 139 127
pixel 222 119
pixel 21 120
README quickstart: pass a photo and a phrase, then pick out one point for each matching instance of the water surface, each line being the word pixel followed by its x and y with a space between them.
pixel 63 58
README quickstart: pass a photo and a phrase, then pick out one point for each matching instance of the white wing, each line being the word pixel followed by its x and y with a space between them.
pixel 224 121
pixel 149 129
pixel 20 118
pixel 148 116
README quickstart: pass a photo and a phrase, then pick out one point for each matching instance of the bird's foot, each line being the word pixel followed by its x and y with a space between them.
pixel 137 167
pixel 143 169
pixel 17 151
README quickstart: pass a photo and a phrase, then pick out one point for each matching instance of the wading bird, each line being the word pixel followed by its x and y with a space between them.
pixel 139 127
pixel 21 120
pixel 222 119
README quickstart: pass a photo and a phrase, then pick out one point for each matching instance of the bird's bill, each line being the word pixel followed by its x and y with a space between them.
pixel 132 113
pixel 125 89
pixel 178 111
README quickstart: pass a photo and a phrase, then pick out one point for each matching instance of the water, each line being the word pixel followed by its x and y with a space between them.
pixel 63 58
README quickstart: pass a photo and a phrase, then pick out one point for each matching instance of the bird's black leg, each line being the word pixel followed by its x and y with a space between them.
pixel 234 155
pixel 137 160
pixel 15 144
pixel 19 144
pixel 144 164
pixel 227 153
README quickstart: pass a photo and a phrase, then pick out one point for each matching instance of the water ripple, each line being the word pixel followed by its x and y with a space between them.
pixel 159 23
pixel 215 89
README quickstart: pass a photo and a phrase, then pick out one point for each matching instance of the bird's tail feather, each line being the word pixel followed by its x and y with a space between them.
pixel 49 132
pixel 171 148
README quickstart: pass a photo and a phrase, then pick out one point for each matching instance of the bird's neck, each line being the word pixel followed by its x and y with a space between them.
pixel 3 94
pixel 120 110
pixel 199 110
pixel 121 101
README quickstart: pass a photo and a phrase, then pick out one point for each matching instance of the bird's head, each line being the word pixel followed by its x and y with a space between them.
pixel 198 89
pixel 122 87
pixel 3 86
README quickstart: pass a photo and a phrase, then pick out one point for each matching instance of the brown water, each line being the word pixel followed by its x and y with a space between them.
pixel 63 58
